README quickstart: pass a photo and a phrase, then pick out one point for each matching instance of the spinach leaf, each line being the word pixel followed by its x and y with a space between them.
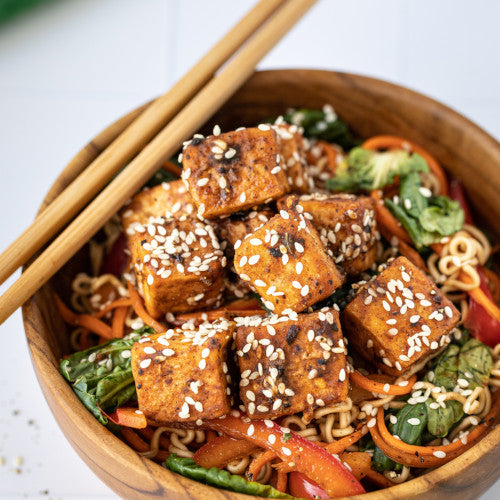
pixel 101 376
pixel 220 478
pixel 322 125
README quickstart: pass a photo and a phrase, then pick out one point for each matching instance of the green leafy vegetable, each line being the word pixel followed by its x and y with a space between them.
pixel 220 478
pixel 426 218
pixel 102 376
pixel 368 170
pixel 161 176
pixel 322 124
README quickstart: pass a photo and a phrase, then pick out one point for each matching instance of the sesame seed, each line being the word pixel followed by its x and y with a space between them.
pixel 202 364
pixel 150 279
pixel 371 423
pixel 259 283
pixel 286 451
pixel 298 247
pixel 304 291
pixel 439 454
pixel 202 182
pixel 272 438
pixel 255 241
pixel 149 350
pixel 391 321
pixel 254 259
pixel 342 375
pixel 243 197
pixel 145 363
pixel 250 430
pixel 299 267
pixel 284 214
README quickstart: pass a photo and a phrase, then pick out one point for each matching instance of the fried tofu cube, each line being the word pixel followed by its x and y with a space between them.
pixel 399 318
pixel 178 265
pixel 287 264
pixel 234 171
pixel 293 157
pixel 182 375
pixel 346 224
pixel 291 364
pixel 166 200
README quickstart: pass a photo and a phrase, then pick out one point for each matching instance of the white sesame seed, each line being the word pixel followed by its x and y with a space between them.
pixel 202 364
pixel 254 259
pixel 299 267
pixel 272 438
pixel 251 430
pixel 286 451
pixel 439 454
pixel 304 291
pixel 145 363
pixel 150 279
pixel 298 247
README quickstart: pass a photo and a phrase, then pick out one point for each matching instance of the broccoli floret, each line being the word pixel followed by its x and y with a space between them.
pixel 365 169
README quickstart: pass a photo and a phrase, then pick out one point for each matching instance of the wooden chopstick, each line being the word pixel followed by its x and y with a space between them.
pixel 181 127
pixel 130 142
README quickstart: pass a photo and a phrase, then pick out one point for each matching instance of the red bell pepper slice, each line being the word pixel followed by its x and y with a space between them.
pixel 115 262
pixel 456 192
pixel 221 450
pixel 301 486
pixel 317 464
pixel 128 417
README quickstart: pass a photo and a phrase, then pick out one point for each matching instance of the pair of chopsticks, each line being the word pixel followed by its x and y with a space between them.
pixel 147 143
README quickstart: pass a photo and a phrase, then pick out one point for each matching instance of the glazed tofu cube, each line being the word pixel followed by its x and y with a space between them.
pixel 234 171
pixel 167 200
pixel 293 158
pixel 182 375
pixel 178 265
pixel 291 364
pixel 399 318
pixel 346 224
pixel 287 264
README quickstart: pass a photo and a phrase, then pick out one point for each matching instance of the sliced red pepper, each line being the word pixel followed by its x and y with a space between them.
pixel 221 450
pixel 128 417
pixel 301 486
pixel 116 260
pixel 317 464
pixel 456 192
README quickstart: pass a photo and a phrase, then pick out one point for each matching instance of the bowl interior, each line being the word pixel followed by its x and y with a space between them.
pixel 370 107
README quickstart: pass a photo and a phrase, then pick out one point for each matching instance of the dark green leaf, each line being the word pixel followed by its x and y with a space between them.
pixel 220 478
pixel 412 199
pixel 444 217
pixel 441 420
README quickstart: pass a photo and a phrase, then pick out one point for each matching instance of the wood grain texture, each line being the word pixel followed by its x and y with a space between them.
pixel 370 107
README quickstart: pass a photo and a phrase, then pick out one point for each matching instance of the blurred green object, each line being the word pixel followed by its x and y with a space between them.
pixel 11 8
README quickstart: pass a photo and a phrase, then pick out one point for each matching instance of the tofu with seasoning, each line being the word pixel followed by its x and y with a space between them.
pixel 234 171
pixel 292 151
pixel 346 224
pixel 178 264
pixel 399 318
pixel 291 364
pixel 166 200
pixel 182 375
pixel 287 264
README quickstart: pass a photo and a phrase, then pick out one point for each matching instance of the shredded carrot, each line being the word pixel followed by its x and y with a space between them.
pixel 141 311
pixel 394 142
pixel 148 432
pixel 340 445
pixel 412 255
pixel 138 444
pixel 281 481
pixel 379 479
pixel 84 339
pixel 259 462
pixel 359 463
pixel 124 301
pixel 210 435
pixel 380 388
pixel 331 154
pixel 389 225
pixel 171 167
pixel 480 297
pixel 118 324
pixel 86 320
pixel 493 282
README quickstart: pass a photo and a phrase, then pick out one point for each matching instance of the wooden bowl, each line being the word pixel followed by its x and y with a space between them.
pixel 370 107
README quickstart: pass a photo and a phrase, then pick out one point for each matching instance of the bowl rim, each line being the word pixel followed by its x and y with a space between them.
pixel 56 389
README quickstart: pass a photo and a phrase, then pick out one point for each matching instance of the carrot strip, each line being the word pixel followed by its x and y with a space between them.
pixel 124 301
pixel 148 432
pixel 379 479
pixel 380 388
pixel 342 444
pixel 389 225
pixel 281 481
pixel 331 154
pixel 118 323
pixel 139 445
pixel 86 320
pixel 359 462
pixel 493 282
pixel 172 168
pixel 84 340
pixel 141 311
pixel 412 255
pixel 210 435
pixel 221 450
pixel 481 298
pixel 259 462
pixel 394 142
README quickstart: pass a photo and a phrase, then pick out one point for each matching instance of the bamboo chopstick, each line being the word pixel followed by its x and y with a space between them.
pixel 181 127
pixel 130 142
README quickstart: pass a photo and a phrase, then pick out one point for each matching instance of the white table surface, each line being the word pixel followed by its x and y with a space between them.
pixel 71 67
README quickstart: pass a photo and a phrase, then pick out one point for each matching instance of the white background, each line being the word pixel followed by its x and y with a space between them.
pixel 70 68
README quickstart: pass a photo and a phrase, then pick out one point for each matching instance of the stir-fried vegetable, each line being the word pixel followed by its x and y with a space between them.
pixel 317 464
pixel 322 124
pixel 368 170
pixel 426 218
pixel 101 376
pixel 220 478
